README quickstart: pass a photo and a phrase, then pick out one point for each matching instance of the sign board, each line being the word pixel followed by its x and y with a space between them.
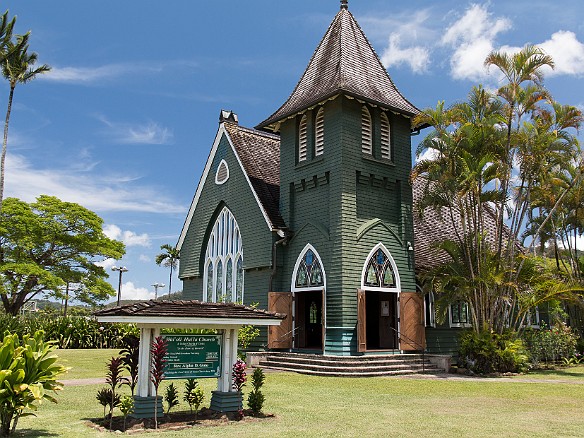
pixel 193 356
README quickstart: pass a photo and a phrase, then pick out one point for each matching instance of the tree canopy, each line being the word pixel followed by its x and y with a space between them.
pixel 506 171
pixel 49 243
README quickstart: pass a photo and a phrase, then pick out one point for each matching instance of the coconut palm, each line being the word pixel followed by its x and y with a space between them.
pixel 17 68
pixel 169 259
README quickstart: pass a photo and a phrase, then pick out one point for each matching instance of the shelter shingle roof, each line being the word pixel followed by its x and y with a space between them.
pixel 343 63
pixel 189 309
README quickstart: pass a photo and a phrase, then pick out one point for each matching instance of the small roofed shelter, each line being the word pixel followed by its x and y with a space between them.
pixel 152 316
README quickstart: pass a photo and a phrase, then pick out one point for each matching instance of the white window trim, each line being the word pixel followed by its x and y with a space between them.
pixel 397 287
pixel 431 311
pixel 220 247
pixel 366 124
pixel 319 133
pixel 303 139
pixel 293 287
pixel 385 142
pixel 222 162
pixel 457 324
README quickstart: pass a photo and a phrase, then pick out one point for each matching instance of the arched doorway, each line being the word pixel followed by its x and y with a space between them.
pixel 308 288
pixel 378 302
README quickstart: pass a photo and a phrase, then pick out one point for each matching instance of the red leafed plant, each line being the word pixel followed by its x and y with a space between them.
pixel 158 351
pixel 239 375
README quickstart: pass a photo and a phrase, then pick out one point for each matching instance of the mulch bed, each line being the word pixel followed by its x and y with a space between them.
pixel 177 421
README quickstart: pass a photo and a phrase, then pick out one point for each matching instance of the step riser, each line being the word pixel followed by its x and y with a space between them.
pixel 361 366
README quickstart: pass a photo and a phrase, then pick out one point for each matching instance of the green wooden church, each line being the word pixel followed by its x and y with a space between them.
pixel 311 213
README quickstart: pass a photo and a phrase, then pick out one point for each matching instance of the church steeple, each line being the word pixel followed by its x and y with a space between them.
pixel 343 63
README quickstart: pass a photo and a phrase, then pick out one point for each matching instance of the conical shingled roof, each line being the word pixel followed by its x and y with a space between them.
pixel 343 63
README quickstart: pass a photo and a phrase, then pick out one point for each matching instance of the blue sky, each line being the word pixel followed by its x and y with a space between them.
pixel 124 122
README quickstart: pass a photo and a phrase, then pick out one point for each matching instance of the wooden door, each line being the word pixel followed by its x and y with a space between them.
pixel 412 330
pixel 280 336
pixel 361 322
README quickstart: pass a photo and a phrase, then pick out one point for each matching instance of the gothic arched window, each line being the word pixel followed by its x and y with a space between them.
pixel 302 139
pixel 308 272
pixel 380 271
pixel 385 137
pixel 223 276
pixel 319 133
pixel 366 131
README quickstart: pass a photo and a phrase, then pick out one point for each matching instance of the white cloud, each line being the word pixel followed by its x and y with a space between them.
pixel 128 237
pixel 86 74
pixel 472 38
pixel 144 258
pixel 428 154
pixel 149 133
pixel 107 263
pixel 96 191
pixel 567 52
pixel 131 292
pixel 417 57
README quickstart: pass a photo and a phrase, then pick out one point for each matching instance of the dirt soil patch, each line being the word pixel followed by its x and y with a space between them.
pixel 177 421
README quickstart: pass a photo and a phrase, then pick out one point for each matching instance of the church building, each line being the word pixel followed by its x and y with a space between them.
pixel 310 213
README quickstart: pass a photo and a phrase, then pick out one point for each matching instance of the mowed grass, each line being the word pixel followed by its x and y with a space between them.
pixel 307 406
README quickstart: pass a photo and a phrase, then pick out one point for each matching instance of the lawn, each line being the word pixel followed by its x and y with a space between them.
pixel 307 406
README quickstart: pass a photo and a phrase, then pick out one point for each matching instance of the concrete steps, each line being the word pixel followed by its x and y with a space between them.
pixel 349 366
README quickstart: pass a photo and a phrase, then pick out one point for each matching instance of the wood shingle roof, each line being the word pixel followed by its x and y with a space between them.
pixel 343 63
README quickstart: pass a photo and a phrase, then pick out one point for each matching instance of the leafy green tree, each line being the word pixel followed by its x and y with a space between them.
pixel 46 243
pixel 28 371
pixel 17 68
pixel 169 259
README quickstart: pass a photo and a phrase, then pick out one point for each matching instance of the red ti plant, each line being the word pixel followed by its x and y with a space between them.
pixel 158 351
pixel 114 379
pixel 239 375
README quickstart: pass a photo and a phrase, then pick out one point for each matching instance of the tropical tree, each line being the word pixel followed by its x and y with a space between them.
pixel 499 168
pixel 47 243
pixel 169 259
pixel 17 68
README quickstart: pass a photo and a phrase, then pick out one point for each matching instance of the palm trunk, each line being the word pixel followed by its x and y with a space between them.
pixel 4 144
pixel 170 281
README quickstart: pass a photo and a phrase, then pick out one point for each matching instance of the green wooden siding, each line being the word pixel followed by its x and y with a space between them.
pixel 256 236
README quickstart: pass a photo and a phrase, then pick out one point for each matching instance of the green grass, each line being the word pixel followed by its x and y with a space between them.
pixel 565 373
pixel 307 406
pixel 86 364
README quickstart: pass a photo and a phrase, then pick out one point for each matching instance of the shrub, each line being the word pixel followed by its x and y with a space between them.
pixel 107 399
pixel 171 397
pixel 158 351
pixel 28 369
pixel 130 355
pixel 488 352
pixel 127 407
pixel 550 345
pixel 255 399
pixel 189 397
pixel 239 375
pixel 115 380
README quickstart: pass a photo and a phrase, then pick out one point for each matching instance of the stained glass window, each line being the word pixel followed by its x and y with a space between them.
pixel 223 247
pixel 379 271
pixel 309 273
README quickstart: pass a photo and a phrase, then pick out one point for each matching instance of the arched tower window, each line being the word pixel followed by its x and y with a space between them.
pixel 308 271
pixel 385 137
pixel 223 276
pixel 302 139
pixel 380 271
pixel 366 131
pixel 319 132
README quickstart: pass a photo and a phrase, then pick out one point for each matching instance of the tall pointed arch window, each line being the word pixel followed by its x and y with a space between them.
pixel 308 272
pixel 223 276
pixel 366 131
pixel 302 141
pixel 380 271
pixel 319 133
pixel 385 137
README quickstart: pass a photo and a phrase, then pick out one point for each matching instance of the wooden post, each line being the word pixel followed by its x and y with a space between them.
pixel 144 362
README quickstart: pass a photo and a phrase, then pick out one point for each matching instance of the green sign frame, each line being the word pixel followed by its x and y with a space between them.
pixel 193 356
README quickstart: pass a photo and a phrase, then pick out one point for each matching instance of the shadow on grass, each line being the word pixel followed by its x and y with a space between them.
pixel 558 373
pixel 33 432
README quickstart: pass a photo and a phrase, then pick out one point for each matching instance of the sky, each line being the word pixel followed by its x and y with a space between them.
pixel 124 122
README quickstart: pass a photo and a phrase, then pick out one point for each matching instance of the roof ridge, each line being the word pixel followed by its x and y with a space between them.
pixel 271 135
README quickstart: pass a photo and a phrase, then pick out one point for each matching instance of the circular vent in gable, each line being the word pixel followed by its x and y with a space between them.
pixel 222 174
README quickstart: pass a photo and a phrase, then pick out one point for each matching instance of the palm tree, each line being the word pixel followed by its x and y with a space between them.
pixel 169 259
pixel 17 68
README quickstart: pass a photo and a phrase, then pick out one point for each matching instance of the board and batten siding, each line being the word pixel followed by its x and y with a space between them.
pixel 256 236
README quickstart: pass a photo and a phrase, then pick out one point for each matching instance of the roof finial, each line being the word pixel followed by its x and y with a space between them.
pixel 344 4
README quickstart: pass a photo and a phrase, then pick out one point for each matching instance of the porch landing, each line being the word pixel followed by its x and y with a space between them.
pixel 350 366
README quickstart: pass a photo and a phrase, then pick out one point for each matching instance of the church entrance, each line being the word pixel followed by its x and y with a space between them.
pixel 309 320
pixel 379 320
